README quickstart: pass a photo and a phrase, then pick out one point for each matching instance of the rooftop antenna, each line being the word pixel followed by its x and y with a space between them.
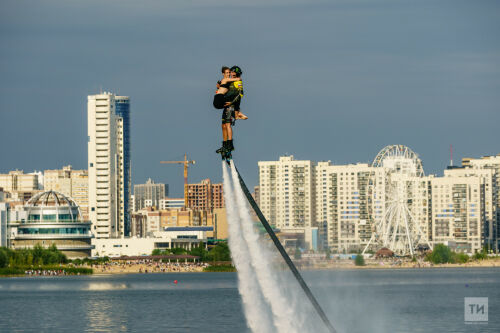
pixel 451 155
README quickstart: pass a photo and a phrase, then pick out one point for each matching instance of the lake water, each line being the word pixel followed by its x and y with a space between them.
pixel 426 300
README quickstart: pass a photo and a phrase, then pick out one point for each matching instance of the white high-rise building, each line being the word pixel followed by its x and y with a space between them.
pixel 344 205
pixel 108 178
pixel 287 192
pixel 462 210
pixel 493 163
pixel 390 203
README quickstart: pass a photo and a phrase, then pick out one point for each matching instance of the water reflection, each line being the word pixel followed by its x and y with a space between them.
pixel 104 314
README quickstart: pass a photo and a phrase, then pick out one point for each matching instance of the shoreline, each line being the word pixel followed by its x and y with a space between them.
pixel 329 266
pixel 114 268
pixel 395 264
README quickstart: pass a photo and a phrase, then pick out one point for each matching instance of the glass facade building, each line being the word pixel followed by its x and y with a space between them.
pixel 122 109
pixel 51 218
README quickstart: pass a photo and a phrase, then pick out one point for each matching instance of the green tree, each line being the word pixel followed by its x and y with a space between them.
pixel 4 257
pixel 220 252
pixel 178 250
pixel 461 258
pixel 360 260
pixel 156 252
pixel 440 255
pixel 481 255
pixel 199 251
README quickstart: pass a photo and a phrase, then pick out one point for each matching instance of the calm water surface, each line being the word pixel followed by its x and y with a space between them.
pixel 429 300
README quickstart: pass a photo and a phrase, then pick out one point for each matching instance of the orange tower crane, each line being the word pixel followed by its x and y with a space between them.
pixel 186 164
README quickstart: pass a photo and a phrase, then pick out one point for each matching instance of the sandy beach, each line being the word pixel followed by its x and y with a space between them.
pixel 147 266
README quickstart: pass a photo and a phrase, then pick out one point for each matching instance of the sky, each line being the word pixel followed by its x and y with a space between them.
pixel 330 80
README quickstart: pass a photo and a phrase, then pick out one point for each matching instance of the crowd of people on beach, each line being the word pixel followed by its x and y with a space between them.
pixel 148 266
pixel 46 272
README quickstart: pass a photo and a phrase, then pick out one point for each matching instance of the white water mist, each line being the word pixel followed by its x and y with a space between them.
pixel 257 312
pixel 284 315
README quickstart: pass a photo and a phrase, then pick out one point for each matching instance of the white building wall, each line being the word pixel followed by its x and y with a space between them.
pixel 492 163
pixel 169 203
pixel 122 247
pixel 104 154
pixel 144 246
pixel 349 198
pixel 3 223
pixel 462 209
pixel 287 192
pixel 19 181
pixel 120 177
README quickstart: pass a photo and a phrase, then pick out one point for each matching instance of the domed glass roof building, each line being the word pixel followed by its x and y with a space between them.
pixel 52 206
pixel 53 218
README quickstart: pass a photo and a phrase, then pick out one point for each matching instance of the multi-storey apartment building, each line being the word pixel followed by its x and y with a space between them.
pixel 205 196
pixel 108 175
pixel 344 205
pixel 493 163
pixel 150 191
pixel 287 192
pixel 18 181
pixel 122 109
pixel 351 203
pixel 168 203
pixel 72 183
pixel 150 220
pixel 461 208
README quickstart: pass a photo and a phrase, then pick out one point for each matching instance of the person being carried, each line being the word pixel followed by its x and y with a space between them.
pixel 226 74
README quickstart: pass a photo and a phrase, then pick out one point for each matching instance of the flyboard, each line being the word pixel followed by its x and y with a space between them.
pixel 227 156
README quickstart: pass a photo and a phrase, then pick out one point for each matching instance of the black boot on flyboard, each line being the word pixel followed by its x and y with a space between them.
pixel 225 150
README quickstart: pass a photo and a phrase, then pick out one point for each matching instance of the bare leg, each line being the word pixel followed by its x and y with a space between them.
pixel 239 115
pixel 229 131
pixel 224 132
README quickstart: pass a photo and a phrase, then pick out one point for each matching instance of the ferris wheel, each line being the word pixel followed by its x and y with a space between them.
pixel 400 159
pixel 396 225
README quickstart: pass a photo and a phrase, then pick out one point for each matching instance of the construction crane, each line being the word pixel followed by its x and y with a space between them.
pixel 186 164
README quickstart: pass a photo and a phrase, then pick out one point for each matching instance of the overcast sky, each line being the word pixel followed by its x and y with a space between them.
pixel 324 80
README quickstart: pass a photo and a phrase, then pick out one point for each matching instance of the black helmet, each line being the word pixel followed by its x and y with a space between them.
pixel 237 70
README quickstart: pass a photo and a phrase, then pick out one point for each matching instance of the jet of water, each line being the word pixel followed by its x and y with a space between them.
pixel 257 311
pixel 285 317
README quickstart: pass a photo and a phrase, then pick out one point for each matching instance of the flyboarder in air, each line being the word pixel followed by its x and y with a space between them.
pixel 228 98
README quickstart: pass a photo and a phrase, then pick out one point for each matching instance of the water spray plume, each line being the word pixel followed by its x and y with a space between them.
pixel 256 309
pixel 285 318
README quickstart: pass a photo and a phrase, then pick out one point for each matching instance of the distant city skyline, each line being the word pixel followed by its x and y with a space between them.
pixel 179 187
pixel 335 81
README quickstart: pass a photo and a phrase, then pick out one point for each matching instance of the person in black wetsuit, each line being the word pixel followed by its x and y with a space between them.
pixel 227 106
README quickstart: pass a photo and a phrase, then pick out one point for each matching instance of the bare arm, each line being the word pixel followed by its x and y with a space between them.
pixel 231 79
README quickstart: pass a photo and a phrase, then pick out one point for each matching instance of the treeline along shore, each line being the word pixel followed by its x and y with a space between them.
pixel 40 261
pixel 440 257
pixel 37 261
pixel 217 258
